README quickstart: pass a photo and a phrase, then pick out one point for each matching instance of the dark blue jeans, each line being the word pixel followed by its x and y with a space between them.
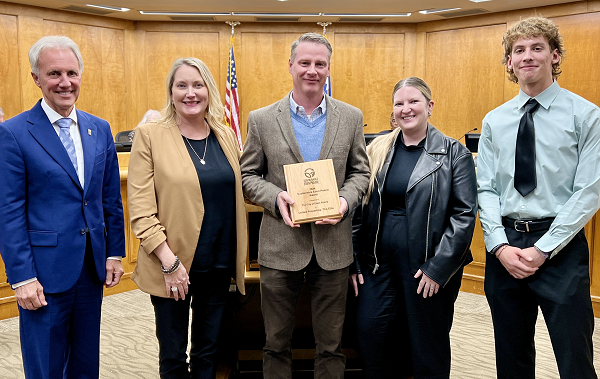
pixel 207 297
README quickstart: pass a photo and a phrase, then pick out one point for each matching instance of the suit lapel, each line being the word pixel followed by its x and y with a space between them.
pixel 428 161
pixel 42 130
pixel 88 133
pixel 284 118
pixel 181 146
pixel 426 165
pixel 331 128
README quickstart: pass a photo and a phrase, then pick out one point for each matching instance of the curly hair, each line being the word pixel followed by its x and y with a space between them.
pixel 533 27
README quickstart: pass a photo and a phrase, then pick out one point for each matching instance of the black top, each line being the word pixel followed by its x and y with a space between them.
pixel 396 182
pixel 217 240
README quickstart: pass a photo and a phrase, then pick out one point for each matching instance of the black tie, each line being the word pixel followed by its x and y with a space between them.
pixel 525 181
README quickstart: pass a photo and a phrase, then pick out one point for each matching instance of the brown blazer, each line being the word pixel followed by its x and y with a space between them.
pixel 270 144
pixel 165 201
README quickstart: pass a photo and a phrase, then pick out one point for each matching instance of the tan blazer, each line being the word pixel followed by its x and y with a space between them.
pixel 270 144
pixel 165 201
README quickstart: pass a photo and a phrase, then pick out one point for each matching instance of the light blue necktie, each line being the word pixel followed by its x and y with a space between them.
pixel 65 137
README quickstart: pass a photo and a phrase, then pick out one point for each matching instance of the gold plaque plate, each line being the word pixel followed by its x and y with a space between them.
pixel 313 187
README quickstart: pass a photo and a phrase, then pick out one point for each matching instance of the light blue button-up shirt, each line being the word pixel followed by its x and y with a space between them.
pixel 300 111
pixel 567 146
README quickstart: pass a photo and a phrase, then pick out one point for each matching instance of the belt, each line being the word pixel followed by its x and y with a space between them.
pixel 526 226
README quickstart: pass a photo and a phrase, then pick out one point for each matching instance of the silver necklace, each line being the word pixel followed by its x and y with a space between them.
pixel 203 155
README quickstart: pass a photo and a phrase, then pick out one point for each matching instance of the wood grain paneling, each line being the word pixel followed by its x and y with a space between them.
pixel 365 69
pixel 112 61
pixel 479 254
pixel 581 74
pixel 466 78
pixel 131 242
pixel 262 64
pixel 30 30
pixel 569 8
pixel 10 99
pixel 163 48
pixel 103 91
pixel 136 72
pixel 581 67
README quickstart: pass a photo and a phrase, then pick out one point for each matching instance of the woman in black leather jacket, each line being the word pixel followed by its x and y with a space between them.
pixel 411 241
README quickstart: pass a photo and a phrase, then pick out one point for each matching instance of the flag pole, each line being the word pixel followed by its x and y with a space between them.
pixel 327 88
pixel 233 24
pixel 231 92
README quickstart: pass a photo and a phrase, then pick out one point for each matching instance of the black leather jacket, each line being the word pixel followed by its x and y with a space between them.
pixel 441 206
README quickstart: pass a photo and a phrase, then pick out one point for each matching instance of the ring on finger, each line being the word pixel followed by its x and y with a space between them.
pixel 174 289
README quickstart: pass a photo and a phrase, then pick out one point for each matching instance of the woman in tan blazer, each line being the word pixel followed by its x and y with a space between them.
pixel 187 210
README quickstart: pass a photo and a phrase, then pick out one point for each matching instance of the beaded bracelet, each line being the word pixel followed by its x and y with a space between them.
pixel 500 250
pixel 173 267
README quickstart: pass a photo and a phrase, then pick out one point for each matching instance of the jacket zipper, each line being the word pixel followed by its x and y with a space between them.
pixel 429 217
pixel 376 267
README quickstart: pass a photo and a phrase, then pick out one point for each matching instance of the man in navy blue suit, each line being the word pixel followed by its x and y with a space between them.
pixel 61 218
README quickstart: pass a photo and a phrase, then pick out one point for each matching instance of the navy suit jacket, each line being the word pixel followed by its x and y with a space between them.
pixel 45 214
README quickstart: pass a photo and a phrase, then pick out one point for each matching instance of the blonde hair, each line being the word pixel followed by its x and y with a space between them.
pixel 215 112
pixel 380 147
pixel 533 27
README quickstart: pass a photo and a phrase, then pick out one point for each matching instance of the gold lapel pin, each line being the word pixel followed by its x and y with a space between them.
pixel 90 132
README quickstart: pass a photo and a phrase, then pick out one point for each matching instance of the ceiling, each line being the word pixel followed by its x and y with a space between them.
pixel 386 11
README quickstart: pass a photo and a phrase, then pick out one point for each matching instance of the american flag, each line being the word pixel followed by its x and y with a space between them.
pixel 327 88
pixel 232 104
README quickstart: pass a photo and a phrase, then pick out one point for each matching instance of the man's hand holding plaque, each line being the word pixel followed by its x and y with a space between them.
pixel 333 221
pixel 284 202
pixel 312 194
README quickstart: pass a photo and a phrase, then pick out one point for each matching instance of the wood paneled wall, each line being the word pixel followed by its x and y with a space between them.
pixel 365 70
pixel 466 79
pixel 126 64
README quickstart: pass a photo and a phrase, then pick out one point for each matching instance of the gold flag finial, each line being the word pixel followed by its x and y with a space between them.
pixel 233 25
pixel 324 25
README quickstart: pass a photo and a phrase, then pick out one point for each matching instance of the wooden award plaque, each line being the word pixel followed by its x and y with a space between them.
pixel 313 187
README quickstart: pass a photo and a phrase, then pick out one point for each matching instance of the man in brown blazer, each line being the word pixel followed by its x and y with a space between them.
pixel 305 125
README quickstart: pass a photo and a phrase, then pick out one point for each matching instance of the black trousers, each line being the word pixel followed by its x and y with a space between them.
pixel 400 333
pixel 561 288
pixel 207 297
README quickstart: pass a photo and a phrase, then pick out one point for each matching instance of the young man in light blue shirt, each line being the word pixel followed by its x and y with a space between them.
pixel 538 184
